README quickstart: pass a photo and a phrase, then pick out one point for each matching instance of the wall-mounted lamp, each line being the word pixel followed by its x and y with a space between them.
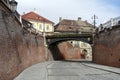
pixel 13 5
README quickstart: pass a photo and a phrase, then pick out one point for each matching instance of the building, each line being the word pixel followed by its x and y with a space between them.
pixel 11 4
pixel 85 48
pixel 112 22
pixel 76 26
pixel 40 23
pixel 11 7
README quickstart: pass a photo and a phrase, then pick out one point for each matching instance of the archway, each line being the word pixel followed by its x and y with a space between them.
pixel 69 50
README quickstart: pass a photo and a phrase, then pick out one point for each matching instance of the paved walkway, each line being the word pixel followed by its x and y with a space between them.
pixel 67 70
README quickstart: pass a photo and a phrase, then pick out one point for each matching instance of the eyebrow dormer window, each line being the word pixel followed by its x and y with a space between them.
pixel 70 27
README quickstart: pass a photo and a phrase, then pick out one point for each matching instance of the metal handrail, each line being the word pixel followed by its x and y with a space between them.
pixel 5 2
pixel 112 22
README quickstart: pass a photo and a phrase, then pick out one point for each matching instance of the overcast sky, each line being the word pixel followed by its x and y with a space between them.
pixel 72 9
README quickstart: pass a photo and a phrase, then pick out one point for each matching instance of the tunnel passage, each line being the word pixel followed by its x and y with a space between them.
pixel 56 53
pixel 68 50
pixel 61 49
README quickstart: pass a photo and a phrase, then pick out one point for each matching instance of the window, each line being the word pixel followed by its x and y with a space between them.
pixel 33 25
pixel 76 44
pixel 82 44
pixel 40 26
pixel 47 28
pixel 70 27
pixel 118 22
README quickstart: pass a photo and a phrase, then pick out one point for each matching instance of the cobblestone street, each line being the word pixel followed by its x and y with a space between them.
pixel 66 70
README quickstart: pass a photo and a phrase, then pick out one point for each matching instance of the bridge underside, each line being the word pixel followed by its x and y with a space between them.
pixel 50 39
pixel 62 50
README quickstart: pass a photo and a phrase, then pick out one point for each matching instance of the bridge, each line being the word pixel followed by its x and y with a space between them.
pixel 60 37
pixel 19 49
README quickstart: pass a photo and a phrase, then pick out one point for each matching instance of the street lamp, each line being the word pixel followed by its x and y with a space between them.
pixel 94 17
pixel 45 45
pixel 13 5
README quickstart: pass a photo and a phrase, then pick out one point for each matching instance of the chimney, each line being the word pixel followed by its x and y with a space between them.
pixel 35 10
pixel 86 21
pixel 60 19
pixel 79 18
pixel 23 13
pixel 112 23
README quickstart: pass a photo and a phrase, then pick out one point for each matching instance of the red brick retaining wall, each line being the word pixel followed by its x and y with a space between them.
pixel 107 47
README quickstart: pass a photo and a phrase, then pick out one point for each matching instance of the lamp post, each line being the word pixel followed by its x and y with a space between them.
pixel 94 17
pixel 45 45
pixel 13 5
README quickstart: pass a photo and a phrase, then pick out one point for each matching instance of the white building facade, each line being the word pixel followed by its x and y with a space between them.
pixel 111 22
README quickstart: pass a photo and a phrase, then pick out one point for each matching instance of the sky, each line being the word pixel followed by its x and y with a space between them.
pixel 72 9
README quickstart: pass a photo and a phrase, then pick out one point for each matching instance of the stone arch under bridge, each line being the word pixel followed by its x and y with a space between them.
pixel 51 39
pixel 52 42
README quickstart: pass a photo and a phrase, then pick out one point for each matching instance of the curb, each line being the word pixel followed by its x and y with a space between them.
pixel 92 66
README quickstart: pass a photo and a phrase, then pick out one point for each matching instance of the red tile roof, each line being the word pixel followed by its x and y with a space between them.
pixel 35 17
pixel 73 26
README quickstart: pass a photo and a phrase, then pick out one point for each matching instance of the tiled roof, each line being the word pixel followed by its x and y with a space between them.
pixel 68 22
pixel 35 17
pixel 84 23
pixel 73 25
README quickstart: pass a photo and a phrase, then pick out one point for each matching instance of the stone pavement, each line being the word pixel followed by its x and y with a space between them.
pixel 69 70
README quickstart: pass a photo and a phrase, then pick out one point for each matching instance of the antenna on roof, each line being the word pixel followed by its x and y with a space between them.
pixel 35 10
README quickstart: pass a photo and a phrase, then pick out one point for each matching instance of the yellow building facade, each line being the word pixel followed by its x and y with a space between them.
pixel 39 23
pixel 43 26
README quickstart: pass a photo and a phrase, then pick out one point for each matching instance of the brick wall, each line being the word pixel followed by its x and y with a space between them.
pixel 69 52
pixel 107 47
pixel 18 50
pixel 65 51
